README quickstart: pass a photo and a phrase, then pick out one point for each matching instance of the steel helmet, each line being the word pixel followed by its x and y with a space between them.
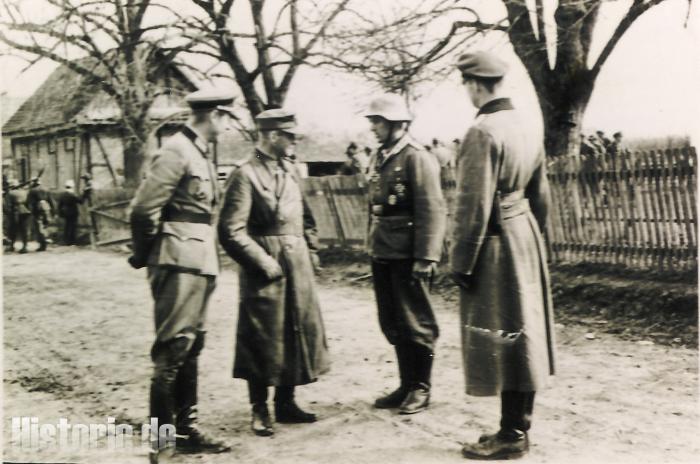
pixel 391 107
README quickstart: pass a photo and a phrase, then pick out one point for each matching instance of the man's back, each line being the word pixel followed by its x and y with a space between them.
pixel 18 201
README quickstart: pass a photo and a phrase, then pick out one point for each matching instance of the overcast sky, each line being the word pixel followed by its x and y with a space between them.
pixel 648 87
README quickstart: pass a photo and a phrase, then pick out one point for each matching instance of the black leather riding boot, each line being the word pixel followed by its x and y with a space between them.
pixel 286 409
pixel 419 374
pixel 395 398
pixel 516 411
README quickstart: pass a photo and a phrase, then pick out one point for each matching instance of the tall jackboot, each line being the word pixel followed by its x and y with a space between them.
pixel 190 439
pixel 395 398
pixel 286 409
pixel 161 406
pixel 421 365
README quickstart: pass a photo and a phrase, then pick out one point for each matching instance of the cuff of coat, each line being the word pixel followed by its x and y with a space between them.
pixel 426 257
pixel 463 258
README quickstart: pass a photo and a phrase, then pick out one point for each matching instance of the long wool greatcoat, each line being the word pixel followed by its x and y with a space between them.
pixel 264 222
pixel 506 313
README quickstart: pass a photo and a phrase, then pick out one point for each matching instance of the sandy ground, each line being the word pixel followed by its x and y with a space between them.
pixel 78 327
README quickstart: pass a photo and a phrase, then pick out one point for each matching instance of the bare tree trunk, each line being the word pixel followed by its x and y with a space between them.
pixel 135 145
pixel 563 107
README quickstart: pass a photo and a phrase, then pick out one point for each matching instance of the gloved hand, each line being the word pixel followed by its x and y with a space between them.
pixel 423 269
pixel 465 281
pixel 136 263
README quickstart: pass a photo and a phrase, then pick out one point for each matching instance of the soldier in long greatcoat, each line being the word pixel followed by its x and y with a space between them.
pixel 267 229
pixel 406 232
pixel 498 258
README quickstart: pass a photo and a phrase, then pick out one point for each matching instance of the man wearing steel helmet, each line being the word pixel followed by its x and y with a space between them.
pixel 266 227
pixel 172 217
pixel 498 258
pixel 407 227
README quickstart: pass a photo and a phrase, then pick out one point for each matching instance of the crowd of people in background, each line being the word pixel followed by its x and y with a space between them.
pixel 596 145
pixel 29 209
pixel 359 160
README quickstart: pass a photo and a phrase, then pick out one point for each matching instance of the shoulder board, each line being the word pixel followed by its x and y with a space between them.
pixel 414 144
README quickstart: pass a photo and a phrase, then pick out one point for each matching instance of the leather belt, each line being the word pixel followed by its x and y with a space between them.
pixel 507 206
pixel 389 210
pixel 513 204
pixel 173 215
pixel 275 230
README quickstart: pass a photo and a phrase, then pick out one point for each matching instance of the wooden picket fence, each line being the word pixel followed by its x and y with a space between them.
pixel 339 206
pixel 637 209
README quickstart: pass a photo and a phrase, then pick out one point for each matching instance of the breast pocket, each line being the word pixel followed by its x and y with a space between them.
pixel 185 245
pixel 199 183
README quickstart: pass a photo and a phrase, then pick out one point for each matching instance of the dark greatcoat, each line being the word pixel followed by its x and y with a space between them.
pixel 507 325
pixel 264 221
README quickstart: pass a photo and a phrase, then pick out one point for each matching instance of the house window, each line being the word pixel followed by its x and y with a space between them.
pixel 69 143
pixel 24 149
pixel 51 143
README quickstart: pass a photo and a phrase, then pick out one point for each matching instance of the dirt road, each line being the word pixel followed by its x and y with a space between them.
pixel 78 328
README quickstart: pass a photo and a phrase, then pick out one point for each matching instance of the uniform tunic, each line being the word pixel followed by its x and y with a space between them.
pixel 171 217
pixel 407 222
pixel 264 223
pixel 506 314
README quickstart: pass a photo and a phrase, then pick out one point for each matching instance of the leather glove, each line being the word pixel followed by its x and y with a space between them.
pixel 423 269
pixel 465 281
pixel 136 263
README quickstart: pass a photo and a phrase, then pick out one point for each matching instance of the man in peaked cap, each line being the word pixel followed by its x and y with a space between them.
pixel 407 226
pixel 497 258
pixel 267 228
pixel 172 217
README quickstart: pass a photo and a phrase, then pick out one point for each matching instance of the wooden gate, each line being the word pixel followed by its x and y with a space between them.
pixel 109 217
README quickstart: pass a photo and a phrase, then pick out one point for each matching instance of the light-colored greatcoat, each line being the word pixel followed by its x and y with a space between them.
pixel 506 313
pixel 264 223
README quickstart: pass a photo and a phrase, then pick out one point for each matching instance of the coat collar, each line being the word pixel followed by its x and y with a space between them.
pixel 402 143
pixel 196 138
pixel 498 104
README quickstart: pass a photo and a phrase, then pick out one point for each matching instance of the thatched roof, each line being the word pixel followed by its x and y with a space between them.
pixel 61 99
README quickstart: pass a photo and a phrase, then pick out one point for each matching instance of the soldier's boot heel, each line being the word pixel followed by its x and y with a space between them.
pixel 498 446
pixel 288 412
pixel 393 399
pixel 196 441
pixel 417 400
